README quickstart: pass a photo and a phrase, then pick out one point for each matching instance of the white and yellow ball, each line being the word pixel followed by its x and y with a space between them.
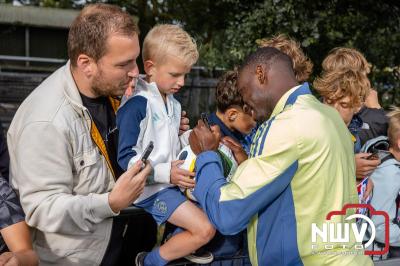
pixel 228 162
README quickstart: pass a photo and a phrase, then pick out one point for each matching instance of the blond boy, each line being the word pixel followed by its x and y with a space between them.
pixel 345 89
pixel 345 86
pixel 153 114
pixel 342 58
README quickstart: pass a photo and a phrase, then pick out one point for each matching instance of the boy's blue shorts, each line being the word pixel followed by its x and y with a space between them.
pixel 162 204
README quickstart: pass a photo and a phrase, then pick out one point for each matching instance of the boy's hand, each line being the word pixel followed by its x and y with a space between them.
pixel 238 152
pixel 181 177
pixel 129 186
pixel 364 166
pixel 184 126
pixel 202 139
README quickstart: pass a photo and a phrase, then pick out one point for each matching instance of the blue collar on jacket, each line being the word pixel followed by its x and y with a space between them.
pixel 225 131
pixel 214 120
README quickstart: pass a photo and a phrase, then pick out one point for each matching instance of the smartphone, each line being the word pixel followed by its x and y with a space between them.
pixel 204 117
pixel 373 156
pixel 147 152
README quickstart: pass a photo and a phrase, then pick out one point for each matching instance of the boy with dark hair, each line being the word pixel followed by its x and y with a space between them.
pixel 234 123
pixel 232 116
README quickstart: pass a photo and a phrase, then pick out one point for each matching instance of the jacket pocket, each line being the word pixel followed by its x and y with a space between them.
pixel 86 159
pixel 90 173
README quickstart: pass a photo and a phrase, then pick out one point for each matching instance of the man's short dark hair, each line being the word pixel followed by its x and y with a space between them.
pixel 268 56
pixel 89 31
pixel 227 93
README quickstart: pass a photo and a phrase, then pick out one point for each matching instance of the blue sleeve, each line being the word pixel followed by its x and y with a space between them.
pixel 11 211
pixel 129 117
pixel 228 205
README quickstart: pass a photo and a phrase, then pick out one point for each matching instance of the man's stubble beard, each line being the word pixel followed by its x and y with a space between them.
pixel 103 88
pixel 265 112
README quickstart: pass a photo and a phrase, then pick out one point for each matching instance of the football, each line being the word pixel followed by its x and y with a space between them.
pixel 229 164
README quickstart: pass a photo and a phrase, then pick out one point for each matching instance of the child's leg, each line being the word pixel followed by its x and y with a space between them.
pixel 199 231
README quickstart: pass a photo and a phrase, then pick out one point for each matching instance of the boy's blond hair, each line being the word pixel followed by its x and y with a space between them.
pixel 302 65
pixel 168 39
pixel 341 58
pixel 394 126
pixel 335 85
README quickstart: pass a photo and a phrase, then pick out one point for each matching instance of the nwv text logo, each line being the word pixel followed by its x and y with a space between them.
pixel 339 234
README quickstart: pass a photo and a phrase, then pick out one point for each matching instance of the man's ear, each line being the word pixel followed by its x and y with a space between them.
pixel 86 64
pixel 149 67
pixel 261 74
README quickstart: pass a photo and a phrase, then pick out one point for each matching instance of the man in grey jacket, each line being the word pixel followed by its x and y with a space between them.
pixel 62 145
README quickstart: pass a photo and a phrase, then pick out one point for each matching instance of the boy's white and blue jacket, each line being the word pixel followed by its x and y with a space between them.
pixel 301 167
pixel 145 117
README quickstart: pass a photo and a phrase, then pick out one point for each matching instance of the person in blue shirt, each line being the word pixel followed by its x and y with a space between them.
pixel 230 116
pixel 236 124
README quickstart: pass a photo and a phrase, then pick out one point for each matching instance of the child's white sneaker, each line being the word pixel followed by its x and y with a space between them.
pixel 200 257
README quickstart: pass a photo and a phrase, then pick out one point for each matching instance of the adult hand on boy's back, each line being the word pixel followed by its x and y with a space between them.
pixel 203 139
pixel 181 177
pixel 238 152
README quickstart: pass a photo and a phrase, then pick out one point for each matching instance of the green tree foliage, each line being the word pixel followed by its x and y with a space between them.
pixel 369 26
pixel 205 20
pixel 227 30
pixel 57 3
pixel 372 27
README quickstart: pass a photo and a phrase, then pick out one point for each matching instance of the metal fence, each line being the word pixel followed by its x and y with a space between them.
pixel 14 88
pixel 196 96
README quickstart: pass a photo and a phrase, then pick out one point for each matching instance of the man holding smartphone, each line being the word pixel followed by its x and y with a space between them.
pixel 62 144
